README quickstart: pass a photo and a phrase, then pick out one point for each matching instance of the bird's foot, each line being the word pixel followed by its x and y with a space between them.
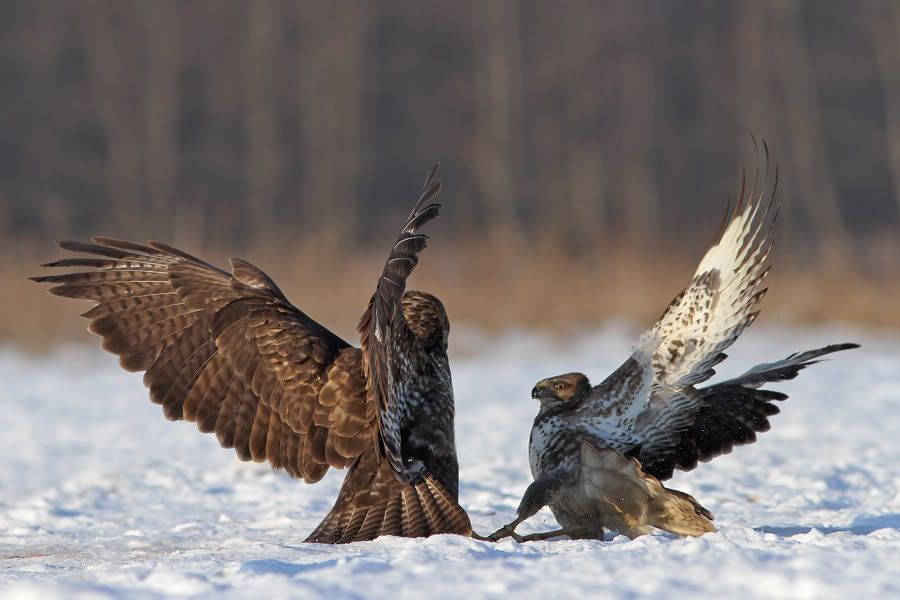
pixel 545 535
pixel 505 532
pixel 413 472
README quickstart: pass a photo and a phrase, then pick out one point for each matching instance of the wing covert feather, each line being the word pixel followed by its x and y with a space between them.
pixel 227 351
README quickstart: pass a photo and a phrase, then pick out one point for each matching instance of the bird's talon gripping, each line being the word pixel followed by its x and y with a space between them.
pixel 505 532
pixel 414 472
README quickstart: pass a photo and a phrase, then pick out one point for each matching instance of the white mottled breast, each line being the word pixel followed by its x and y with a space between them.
pixel 551 445
pixel 537 444
pixel 554 439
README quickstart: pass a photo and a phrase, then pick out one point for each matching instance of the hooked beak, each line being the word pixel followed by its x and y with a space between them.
pixel 537 393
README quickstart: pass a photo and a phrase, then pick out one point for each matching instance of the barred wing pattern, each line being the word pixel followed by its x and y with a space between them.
pixel 726 415
pixel 613 407
pixel 671 424
pixel 690 337
pixel 373 502
pixel 385 334
pixel 226 351
pixel 230 353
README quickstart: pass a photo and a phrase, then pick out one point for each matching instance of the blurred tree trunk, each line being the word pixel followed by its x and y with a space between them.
pixel 638 126
pixel 550 115
pixel 108 82
pixel 260 116
pixel 498 110
pixel 584 159
pixel 334 39
pixel 754 97
pixel 161 105
pixel 806 137
pixel 884 20
pixel 754 85
pixel 352 50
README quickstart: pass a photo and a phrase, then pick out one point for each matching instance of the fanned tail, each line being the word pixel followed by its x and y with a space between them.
pixel 372 503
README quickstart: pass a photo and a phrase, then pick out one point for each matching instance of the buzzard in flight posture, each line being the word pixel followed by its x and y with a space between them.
pixel 598 453
pixel 230 353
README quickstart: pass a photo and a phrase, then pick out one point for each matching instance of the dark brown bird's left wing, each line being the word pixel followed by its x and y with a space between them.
pixel 227 351
pixel 385 334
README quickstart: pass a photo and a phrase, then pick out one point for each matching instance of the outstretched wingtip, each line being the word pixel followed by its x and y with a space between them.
pixel 432 173
pixel 842 346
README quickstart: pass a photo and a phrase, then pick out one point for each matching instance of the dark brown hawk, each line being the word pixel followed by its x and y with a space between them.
pixel 230 353
pixel 599 453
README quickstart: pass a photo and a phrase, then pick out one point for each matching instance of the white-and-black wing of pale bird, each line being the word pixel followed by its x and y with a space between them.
pixel 721 416
pixel 649 410
pixel 690 337
pixel 230 353
pixel 669 423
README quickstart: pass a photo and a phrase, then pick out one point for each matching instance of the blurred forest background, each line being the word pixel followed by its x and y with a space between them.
pixel 588 148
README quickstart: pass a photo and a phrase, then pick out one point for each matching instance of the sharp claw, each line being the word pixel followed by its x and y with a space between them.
pixel 414 472
pixel 504 532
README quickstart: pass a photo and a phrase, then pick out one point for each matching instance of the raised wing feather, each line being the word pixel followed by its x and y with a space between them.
pixel 227 351
pixel 384 332
pixel 722 299
pixel 689 338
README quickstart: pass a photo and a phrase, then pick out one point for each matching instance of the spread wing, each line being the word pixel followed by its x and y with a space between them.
pixel 722 299
pixel 670 424
pixel 721 416
pixel 690 337
pixel 385 334
pixel 226 351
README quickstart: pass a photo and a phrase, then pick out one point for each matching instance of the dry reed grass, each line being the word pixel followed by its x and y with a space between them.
pixel 495 283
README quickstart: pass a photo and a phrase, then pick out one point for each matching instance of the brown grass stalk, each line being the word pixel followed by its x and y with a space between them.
pixel 493 283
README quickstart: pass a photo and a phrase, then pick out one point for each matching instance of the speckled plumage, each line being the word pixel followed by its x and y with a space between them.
pixel 598 453
pixel 229 352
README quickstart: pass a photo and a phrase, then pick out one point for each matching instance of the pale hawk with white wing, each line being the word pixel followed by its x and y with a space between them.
pixel 598 453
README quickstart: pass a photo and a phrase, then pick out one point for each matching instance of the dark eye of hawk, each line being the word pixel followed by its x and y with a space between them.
pixel 559 386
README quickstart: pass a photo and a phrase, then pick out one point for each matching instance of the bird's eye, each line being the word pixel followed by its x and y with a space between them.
pixel 560 386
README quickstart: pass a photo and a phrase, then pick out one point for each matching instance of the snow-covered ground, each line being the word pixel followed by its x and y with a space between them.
pixel 101 496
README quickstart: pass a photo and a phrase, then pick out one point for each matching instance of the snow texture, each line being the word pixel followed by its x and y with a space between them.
pixel 100 496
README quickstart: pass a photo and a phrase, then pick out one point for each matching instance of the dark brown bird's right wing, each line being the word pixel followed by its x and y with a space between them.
pixel 379 497
pixel 227 351
pixel 385 335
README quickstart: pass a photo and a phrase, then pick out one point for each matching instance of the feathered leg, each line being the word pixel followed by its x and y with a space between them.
pixel 537 496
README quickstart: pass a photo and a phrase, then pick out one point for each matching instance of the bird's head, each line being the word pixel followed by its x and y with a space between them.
pixel 568 388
